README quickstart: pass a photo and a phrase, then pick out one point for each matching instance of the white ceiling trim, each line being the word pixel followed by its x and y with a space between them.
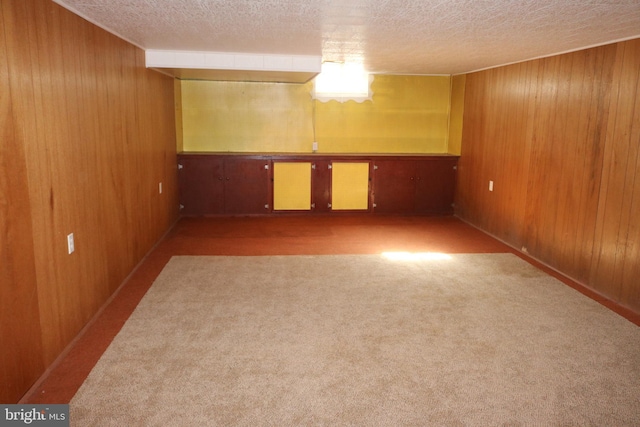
pixel 232 61
pixel 230 66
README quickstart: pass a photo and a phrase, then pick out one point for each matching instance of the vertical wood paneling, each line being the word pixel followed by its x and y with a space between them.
pixel 559 137
pixel 21 358
pixel 569 125
pixel 505 160
pixel 618 213
pixel 631 265
pixel 96 131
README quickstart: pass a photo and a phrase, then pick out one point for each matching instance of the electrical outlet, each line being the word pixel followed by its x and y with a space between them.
pixel 314 146
pixel 70 244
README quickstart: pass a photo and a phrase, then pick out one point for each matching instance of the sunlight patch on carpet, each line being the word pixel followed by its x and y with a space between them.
pixel 416 256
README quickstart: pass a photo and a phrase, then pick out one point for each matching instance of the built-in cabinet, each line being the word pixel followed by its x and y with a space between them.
pixel 228 185
pixel 237 184
pixel 423 186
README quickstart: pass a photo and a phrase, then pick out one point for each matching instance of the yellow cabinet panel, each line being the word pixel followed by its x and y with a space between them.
pixel 291 186
pixel 350 186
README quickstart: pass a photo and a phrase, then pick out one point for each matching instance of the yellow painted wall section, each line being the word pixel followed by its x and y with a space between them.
pixel 177 99
pixel 457 112
pixel 408 114
pixel 246 117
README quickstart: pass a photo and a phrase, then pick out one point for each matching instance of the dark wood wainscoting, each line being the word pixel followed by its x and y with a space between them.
pixel 241 184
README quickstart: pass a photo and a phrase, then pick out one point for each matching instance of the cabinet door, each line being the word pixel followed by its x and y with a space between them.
pixel 350 186
pixel 291 186
pixel 435 180
pixel 246 186
pixel 394 186
pixel 201 185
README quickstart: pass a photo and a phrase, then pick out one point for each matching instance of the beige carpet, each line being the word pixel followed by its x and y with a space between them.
pixel 364 340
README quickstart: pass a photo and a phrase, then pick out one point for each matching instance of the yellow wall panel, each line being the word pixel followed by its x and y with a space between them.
pixel 246 117
pixel 457 112
pixel 407 114
pixel 177 88
pixel 350 186
pixel 291 186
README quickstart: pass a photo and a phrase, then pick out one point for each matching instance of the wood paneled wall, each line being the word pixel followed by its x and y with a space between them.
pixel 20 335
pixel 88 133
pixel 560 137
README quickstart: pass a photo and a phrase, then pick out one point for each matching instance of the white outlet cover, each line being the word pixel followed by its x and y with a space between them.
pixel 71 247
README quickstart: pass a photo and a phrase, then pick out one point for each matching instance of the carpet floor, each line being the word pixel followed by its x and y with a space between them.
pixel 462 339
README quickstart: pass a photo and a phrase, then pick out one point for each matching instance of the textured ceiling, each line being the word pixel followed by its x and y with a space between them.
pixel 388 36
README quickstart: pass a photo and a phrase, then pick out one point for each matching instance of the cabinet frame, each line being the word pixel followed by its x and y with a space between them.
pixel 224 185
pixel 430 192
